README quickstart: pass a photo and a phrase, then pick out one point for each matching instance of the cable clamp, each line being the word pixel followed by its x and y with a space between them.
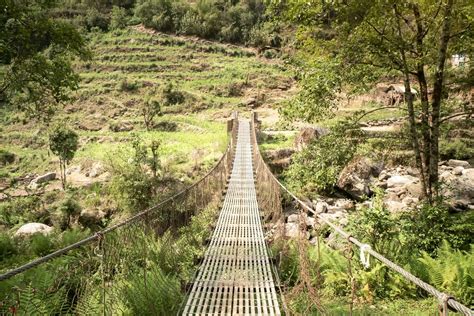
pixel 365 256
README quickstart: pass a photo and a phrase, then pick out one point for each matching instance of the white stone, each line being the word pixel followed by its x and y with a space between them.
pixel 395 206
pixel 458 163
pixel 293 218
pixel 321 207
pixel 458 171
pixel 33 228
pixel 397 181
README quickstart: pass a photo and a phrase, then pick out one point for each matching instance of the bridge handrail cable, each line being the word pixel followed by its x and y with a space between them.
pixel 60 252
pixel 443 298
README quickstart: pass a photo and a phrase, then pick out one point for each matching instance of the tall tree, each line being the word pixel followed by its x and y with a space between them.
pixel 414 38
pixel 35 56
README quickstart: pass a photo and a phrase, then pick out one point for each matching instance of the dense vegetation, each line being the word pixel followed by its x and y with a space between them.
pixel 124 91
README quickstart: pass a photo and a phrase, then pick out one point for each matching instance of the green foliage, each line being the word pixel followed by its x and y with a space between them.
pixel 63 142
pixel 6 157
pixel 118 18
pixel 7 246
pixel 456 149
pixel 320 82
pixel 155 294
pixel 69 208
pixel 375 225
pixel 425 228
pixel 36 51
pixel 172 95
pixel 127 86
pixel 451 271
pixel 132 186
pixel 40 244
pixel 150 108
pixel 318 166
pixel 231 21
pixel 20 210
pixel 95 20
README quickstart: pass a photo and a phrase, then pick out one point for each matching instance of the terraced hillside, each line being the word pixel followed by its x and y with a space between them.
pixel 198 84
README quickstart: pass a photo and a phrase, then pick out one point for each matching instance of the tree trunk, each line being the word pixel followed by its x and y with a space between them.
pixel 411 110
pixel 437 95
pixel 425 110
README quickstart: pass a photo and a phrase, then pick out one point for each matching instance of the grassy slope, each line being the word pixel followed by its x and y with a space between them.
pixel 205 72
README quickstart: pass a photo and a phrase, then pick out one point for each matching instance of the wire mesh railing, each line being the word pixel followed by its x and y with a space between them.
pixel 115 271
pixel 267 181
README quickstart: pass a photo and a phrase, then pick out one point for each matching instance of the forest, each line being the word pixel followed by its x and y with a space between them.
pixel 123 128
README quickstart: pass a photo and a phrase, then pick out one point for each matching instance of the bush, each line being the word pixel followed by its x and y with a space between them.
pixel 456 149
pixel 40 244
pixel 118 18
pixel 6 157
pixel 317 167
pixel 172 95
pixel 157 14
pixel 96 20
pixel 69 209
pixel 127 86
pixel 7 246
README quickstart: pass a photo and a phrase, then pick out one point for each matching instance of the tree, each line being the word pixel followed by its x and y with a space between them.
pixel 412 38
pixel 118 18
pixel 35 57
pixel 63 142
pixel 150 109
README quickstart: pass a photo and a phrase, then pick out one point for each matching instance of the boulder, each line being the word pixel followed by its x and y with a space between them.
pixel 293 218
pixel 96 170
pixel 458 163
pixel 41 179
pixel 395 206
pixel 398 181
pixel 3 197
pixel 414 189
pixel 321 207
pixel 33 228
pixel 121 126
pixel 345 204
pixel 91 218
pixel 292 230
pixel 457 171
pixel 304 137
pixel 357 176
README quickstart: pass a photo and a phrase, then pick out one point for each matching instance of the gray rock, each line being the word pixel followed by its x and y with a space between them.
pixel 458 171
pixel 45 177
pixel 292 230
pixel 96 170
pixel 398 181
pixel 321 207
pixel 357 176
pixel 395 206
pixel 458 163
pixel 345 204
pixel 383 175
pixel 90 218
pixel 293 218
pixel 414 189
pixel 34 228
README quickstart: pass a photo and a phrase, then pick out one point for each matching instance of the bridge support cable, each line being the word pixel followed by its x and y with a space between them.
pixel 445 300
pixel 91 276
pixel 235 277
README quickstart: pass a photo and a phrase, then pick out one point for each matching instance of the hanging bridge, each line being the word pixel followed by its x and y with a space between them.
pixel 236 276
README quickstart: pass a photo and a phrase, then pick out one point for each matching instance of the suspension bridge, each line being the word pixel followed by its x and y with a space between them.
pixel 236 276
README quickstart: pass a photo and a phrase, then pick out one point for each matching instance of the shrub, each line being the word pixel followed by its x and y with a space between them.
pixel 95 20
pixel 7 247
pixel 63 142
pixel 6 157
pixel 118 18
pixel 127 86
pixel 318 166
pixel 456 149
pixel 40 244
pixel 69 209
pixel 157 14
pixel 172 95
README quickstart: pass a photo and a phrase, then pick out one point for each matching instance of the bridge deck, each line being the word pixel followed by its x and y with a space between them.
pixel 235 277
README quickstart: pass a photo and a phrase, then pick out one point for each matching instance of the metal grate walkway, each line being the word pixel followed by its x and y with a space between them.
pixel 235 277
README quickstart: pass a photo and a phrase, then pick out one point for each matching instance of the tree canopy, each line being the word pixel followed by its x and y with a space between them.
pixel 35 56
